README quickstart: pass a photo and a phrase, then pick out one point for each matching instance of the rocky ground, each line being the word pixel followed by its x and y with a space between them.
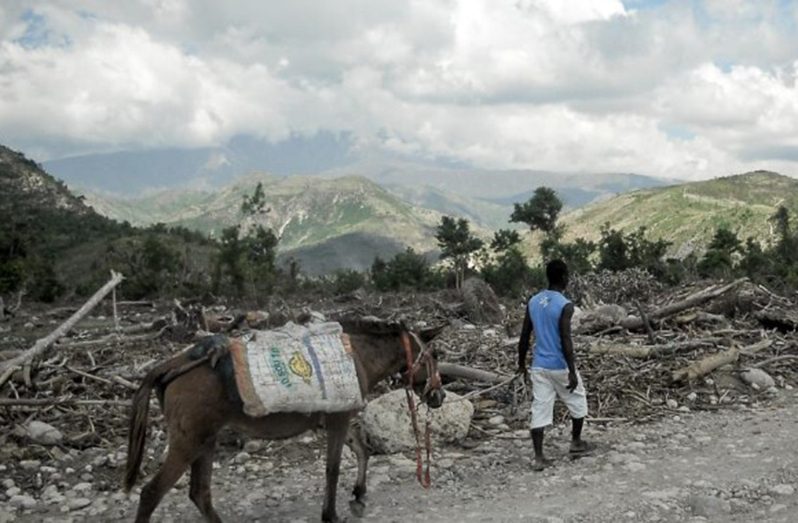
pixel 718 446
pixel 735 465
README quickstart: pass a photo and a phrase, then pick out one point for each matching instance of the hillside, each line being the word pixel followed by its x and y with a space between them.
pixel 24 183
pixel 308 213
pixel 688 214
pixel 52 244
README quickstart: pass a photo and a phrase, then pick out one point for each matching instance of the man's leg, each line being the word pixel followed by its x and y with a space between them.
pixel 576 402
pixel 542 413
pixel 576 429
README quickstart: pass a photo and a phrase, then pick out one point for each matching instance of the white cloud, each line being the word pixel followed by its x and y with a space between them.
pixel 677 90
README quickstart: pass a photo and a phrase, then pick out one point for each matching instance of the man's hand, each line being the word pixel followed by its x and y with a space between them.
pixel 573 381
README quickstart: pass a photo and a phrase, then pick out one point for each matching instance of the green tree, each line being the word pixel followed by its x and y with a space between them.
pixel 229 261
pixel 261 251
pixel 406 270
pixel 619 251
pixel 718 260
pixel 504 239
pixel 458 244
pixel 540 212
pixel 577 255
pixel 254 204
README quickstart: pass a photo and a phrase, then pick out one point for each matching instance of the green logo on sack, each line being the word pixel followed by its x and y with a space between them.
pixel 279 367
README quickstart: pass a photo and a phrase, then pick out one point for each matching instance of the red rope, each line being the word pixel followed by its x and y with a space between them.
pixel 423 479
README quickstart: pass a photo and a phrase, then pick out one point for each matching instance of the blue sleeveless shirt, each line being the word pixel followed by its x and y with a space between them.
pixel 545 309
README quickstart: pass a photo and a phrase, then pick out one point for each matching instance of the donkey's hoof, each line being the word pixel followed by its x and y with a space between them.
pixel 357 507
pixel 332 518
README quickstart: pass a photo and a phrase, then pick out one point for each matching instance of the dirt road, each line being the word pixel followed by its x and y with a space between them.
pixel 734 465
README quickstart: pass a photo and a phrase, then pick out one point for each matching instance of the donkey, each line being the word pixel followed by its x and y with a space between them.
pixel 197 404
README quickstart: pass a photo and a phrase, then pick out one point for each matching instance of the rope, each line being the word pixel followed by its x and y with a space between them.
pixel 422 476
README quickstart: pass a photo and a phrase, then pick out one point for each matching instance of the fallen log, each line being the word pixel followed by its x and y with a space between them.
pixel 45 402
pixel 655 351
pixel 782 320
pixel 756 347
pixel 453 370
pixel 705 365
pixel 703 296
pixel 42 345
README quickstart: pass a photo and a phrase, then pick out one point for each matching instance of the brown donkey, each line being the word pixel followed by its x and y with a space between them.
pixel 196 396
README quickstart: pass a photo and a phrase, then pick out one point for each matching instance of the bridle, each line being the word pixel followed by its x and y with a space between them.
pixel 426 359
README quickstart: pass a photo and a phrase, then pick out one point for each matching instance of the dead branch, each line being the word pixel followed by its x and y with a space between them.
pixel 42 345
pixel 703 296
pixel 706 365
pixel 643 352
pixel 775 359
pixel 647 324
pixel 453 370
pixel 44 402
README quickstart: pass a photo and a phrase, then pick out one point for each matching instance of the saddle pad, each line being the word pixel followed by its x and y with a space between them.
pixel 296 369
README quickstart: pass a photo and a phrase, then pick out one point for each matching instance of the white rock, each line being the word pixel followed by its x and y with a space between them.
pixel 672 403
pixel 757 379
pixel 496 420
pixel 43 433
pixel 635 467
pixel 30 464
pixel 13 491
pixel 783 490
pixel 692 397
pixel 387 425
pixel 241 457
pixel 82 487
pixel 78 503
pixel 22 501
pixel 252 446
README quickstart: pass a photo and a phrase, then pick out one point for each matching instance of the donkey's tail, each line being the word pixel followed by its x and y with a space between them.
pixel 137 427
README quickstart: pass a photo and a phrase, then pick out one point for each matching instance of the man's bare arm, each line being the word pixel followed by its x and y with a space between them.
pixel 568 344
pixel 523 342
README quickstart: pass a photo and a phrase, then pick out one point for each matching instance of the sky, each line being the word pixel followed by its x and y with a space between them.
pixel 681 89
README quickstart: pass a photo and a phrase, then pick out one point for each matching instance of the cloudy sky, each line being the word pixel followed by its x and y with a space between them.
pixel 686 89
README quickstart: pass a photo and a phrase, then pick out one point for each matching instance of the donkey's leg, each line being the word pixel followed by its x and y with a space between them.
pixel 355 441
pixel 200 490
pixel 176 463
pixel 337 425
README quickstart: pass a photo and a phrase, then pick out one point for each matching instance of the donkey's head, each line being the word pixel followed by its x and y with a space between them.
pixel 421 372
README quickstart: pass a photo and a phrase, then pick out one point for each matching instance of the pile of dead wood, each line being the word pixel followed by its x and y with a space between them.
pixel 643 354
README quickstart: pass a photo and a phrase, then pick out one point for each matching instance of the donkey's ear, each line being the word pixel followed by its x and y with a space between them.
pixel 428 334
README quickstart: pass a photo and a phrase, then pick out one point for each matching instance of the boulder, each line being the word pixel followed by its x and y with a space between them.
pixel 480 303
pixel 43 433
pixel 388 429
pixel 757 378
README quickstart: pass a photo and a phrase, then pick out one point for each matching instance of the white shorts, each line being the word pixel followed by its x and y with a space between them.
pixel 550 384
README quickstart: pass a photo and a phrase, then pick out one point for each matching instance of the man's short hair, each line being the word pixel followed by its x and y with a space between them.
pixel 557 272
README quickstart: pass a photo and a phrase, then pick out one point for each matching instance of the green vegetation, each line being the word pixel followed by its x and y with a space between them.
pixel 775 265
pixel 687 215
pixel 406 270
pixel 458 244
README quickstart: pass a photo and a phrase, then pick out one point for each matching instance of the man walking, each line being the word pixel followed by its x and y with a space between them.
pixel 553 370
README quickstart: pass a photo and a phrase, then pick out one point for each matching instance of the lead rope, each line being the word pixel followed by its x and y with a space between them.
pixel 423 479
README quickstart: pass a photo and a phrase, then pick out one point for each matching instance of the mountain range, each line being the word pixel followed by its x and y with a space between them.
pixel 344 215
